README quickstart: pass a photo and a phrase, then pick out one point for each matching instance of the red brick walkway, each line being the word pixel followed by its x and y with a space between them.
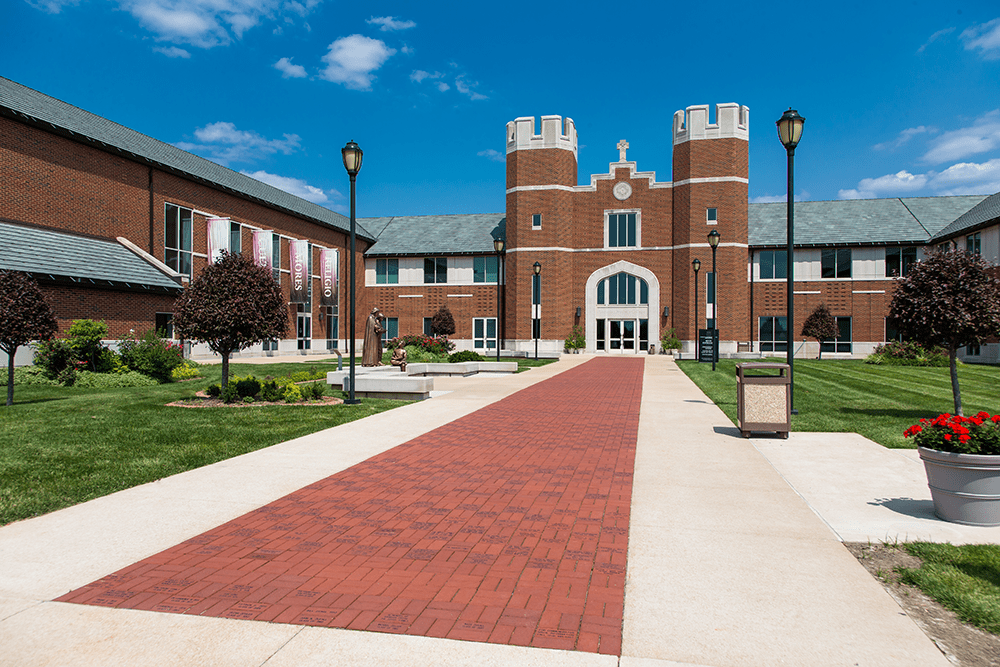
pixel 509 525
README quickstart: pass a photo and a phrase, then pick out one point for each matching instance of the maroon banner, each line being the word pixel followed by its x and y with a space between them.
pixel 263 246
pixel 329 262
pixel 298 251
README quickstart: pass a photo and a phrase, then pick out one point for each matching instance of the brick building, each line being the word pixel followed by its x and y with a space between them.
pixel 113 223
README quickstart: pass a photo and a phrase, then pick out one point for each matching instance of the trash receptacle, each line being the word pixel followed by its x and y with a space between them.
pixel 763 401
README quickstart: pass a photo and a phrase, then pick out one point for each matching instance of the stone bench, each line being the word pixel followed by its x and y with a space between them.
pixel 384 385
pixel 464 369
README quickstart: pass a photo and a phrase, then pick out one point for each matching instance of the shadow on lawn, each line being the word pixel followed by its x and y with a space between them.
pixel 889 412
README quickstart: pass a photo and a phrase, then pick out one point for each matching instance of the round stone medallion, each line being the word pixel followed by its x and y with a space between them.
pixel 622 191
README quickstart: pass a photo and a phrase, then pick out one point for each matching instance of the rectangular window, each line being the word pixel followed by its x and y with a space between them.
pixel 484 333
pixel 601 338
pixel 973 244
pixel 773 334
pixel 427 326
pixel 177 238
pixel 842 343
pixel 773 264
pixel 836 263
pixel 898 261
pixel 386 271
pixel 391 325
pixel 973 350
pixel 622 230
pixel 484 269
pixel 536 221
pixel 235 238
pixel 712 215
pixel 435 270
pixel 165 324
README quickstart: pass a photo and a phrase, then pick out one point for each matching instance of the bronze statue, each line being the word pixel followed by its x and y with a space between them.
pixel 399 358
pixel 371 354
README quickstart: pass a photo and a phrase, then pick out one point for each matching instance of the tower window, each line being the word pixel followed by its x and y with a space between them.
pixel 536 221
pixel 712 216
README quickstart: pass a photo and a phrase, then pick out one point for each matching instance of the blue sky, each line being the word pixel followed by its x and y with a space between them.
pixel 900 98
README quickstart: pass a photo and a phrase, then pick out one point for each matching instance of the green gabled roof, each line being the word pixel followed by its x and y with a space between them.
pixel 985 213
pixel 422 235
pixel 90 262
pixel 857 221
pixel 27 105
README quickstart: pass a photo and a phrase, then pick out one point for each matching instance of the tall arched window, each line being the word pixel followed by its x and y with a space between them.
pixel 622 289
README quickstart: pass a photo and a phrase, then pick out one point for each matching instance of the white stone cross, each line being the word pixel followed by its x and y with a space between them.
pixel 622 147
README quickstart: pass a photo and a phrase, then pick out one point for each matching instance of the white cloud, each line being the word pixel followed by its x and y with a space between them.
pixel 172 51
pixel 288 70
pixel 959 179
pixel 294 186
pixel 442 86
pixel 419 75
pixel 407 50
pixel 934 37
pixel 466 89
pixel 208 23
pixel 904 138
pixel 52 6
pixel 222 142
pixel 985 37
pixel 390 24
pixel 983 135
pixel 351 61
pixel 491 154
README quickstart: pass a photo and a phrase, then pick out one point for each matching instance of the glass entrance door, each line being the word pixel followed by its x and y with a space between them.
pixel 621 335
pixel 304 331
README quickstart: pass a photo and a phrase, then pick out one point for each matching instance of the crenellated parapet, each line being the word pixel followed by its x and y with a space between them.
pixel 554 133
pixel 731 121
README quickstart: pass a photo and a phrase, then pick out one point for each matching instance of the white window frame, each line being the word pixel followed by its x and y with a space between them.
pixel 638 227
pixel 483 342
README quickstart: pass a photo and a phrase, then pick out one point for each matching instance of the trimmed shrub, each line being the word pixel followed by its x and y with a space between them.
pixel 214 390
pixel 437 345
pixel 151 355
pixel 907 353
pixel 86 336
pixel 113 380
pixel 292 394
pixel 28 375
pixel 248 386
pixel 229 393
pixel 465 355
pixel 669 340
pixel 185 371
pixel 313 391
pixel 54 356
pixel 271 391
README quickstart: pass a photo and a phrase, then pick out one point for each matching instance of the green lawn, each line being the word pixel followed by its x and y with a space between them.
pixel 62 445
pixel 966 579
pixel 879 402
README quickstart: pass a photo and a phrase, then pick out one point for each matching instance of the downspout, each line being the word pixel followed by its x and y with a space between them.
pixel 751 299
pixel 152 250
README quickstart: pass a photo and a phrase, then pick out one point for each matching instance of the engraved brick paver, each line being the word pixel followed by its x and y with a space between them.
pixel 509 525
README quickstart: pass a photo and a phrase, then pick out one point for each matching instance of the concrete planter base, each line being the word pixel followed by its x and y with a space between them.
pixel 965 487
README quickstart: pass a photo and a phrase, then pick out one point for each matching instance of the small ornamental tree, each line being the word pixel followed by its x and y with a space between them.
pixel 820 325
pixel 24 316
pixel 231 305
pixel 443 324
pixel 951 299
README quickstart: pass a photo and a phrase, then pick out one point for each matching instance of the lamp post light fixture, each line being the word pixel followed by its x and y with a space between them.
pixel 790 132
pixel 713 240
pixel 537 322
pixel 498 246
pixel 696 264
pixel 352 155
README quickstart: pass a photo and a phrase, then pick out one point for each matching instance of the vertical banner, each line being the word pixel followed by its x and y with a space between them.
pixel 218 238
pixel 262 247
pixel 298 252
pixel 329 261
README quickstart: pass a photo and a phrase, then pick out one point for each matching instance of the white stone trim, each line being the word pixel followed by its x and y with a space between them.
pixel 868 291
pixel 652 308
pixel 633 174
pixel 638 227
pixel 410 296
pixel 712 179
pixel 732 121
pixel 459 295
pixel 668 247
pixel 804 291
pixel 521 134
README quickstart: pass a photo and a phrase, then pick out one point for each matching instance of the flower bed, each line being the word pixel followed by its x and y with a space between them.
pixel 961 435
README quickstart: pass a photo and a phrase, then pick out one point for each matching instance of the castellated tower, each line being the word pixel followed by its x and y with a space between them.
pixel 541 175
pixel 710 176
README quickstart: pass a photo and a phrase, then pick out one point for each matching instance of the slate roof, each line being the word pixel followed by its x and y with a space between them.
pixel 90 262
pixel 983 214
pixel 28 105
pixel 422 235
pixel 894 221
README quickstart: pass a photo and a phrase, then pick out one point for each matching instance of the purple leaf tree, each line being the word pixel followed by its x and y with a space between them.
pixel 24 316
pixel 231 305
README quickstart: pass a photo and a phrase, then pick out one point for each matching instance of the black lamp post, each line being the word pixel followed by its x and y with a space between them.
pixel 538 322
pixel 352 155
pixel 697 267
pixel 713 240
pixel 789 132
pixel 498 247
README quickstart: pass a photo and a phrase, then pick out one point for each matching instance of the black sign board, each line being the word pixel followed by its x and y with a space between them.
pixel 708 345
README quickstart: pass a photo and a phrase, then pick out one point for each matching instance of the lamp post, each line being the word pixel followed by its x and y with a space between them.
pixel 713 240
pixel 498 247
pixel 696 264
pixel 537 322
pixel 789 132
pixel 352 155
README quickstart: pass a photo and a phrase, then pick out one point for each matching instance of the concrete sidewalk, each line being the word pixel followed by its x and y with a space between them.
pixel 734 549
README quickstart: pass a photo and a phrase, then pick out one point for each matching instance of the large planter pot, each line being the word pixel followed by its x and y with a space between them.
pixel 965 487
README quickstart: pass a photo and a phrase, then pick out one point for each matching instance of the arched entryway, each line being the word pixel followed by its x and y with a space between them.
pixel 623 303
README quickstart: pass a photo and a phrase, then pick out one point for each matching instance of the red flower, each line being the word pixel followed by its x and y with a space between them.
pixel 964 438
pixel 947 436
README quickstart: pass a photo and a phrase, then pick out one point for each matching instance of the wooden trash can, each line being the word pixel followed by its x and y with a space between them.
pixel 763 401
